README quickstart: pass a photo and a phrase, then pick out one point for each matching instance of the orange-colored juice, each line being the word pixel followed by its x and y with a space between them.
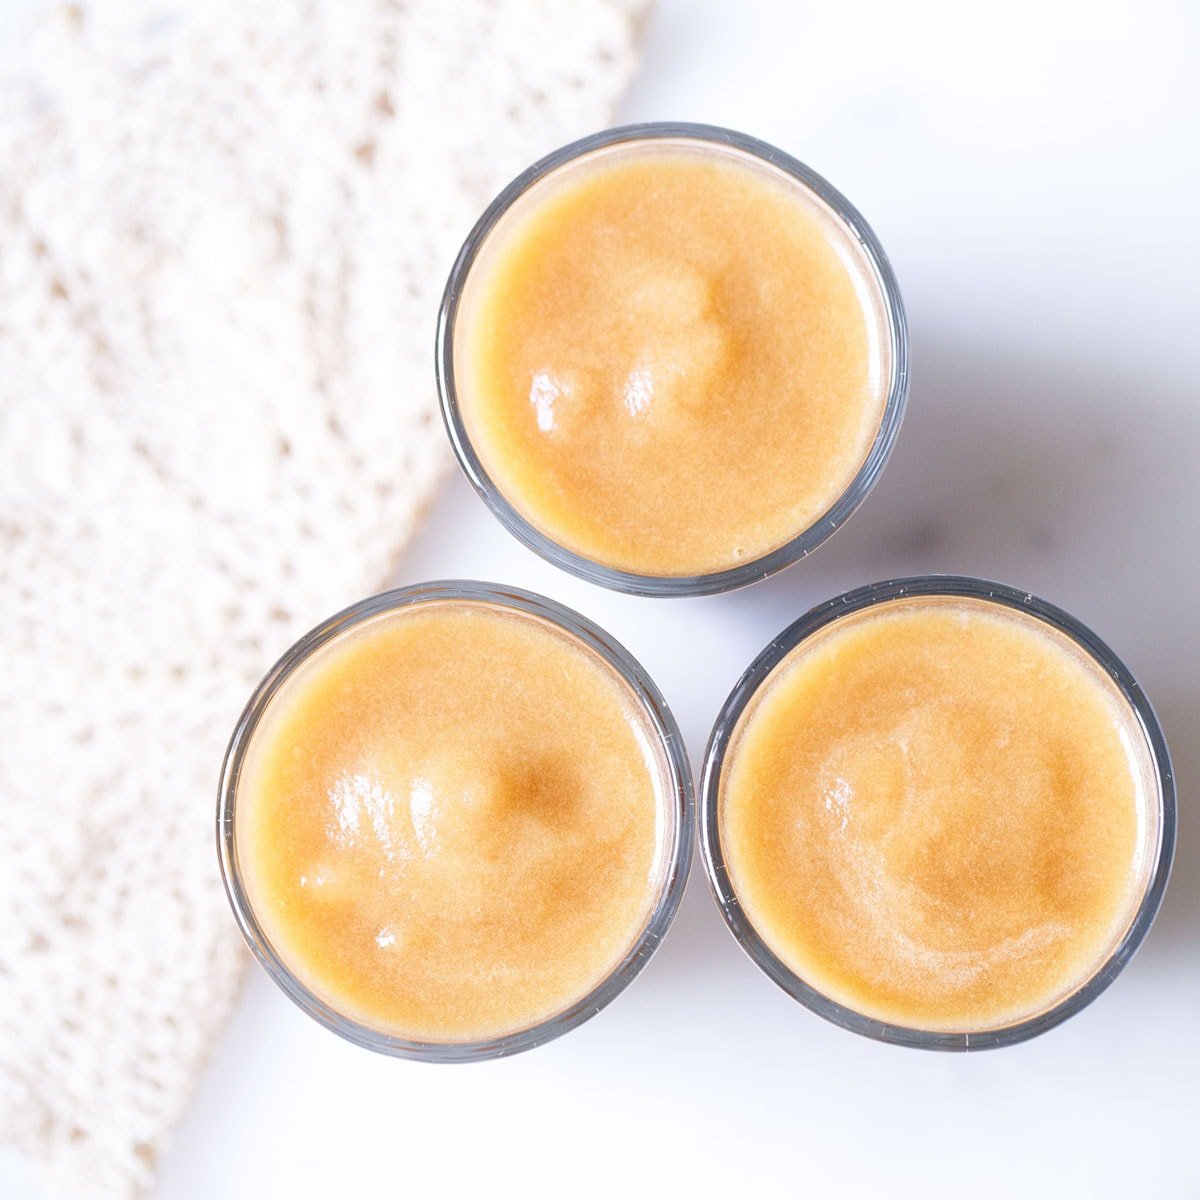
pixel 935 813
pixel 671 360
pixel 450 821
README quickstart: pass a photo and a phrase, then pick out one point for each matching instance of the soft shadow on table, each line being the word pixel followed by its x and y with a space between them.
pixel 1177 929
pixel 699 950
pixel 1072 482
pixel 1042 474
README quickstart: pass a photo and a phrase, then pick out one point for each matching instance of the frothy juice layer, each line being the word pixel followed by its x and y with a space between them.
pixel 935 813
pixel 670 359
pixel 450 821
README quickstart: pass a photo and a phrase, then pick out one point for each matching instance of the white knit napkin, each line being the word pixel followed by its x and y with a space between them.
pixel 224 229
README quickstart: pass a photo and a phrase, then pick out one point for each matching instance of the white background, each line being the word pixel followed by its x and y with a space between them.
pixel 1033 171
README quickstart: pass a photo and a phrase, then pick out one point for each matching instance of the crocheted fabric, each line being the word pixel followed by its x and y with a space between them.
pixel 224 230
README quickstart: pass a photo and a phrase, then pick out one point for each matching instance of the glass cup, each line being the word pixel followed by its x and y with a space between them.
pixel 675 798
pixel 871 262
pixel 1160 822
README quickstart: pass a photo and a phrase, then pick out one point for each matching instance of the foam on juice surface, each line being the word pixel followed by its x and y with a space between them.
pixel 449 823
pixel 935 814
pixel 671 361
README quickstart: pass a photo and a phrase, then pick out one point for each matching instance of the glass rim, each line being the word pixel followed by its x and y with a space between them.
pixel 858 600
pixel 804 542
pixel 677 797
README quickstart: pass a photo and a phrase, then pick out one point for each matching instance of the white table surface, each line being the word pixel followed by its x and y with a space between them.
pixel 1033 171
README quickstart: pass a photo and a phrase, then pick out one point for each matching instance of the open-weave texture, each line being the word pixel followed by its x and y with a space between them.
pixel 224 227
